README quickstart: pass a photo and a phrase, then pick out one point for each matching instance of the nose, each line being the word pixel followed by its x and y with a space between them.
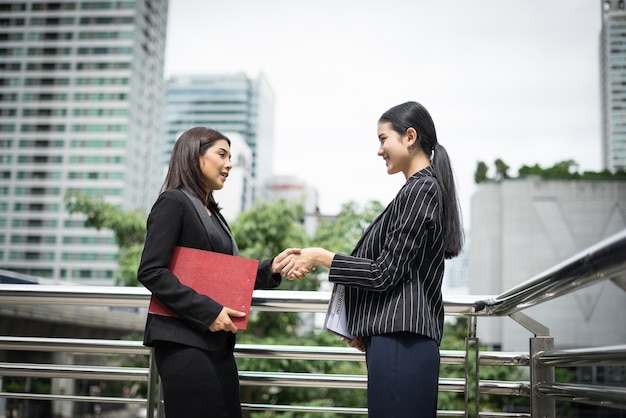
pixel 380 151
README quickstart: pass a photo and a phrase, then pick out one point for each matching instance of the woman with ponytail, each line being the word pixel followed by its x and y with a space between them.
pixel 393 276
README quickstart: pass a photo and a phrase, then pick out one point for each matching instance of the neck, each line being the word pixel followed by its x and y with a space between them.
pixel 419 163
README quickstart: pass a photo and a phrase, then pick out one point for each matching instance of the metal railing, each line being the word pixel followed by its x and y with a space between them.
pixel 604 261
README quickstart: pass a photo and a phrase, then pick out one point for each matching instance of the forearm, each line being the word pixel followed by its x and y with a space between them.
pixel 319 256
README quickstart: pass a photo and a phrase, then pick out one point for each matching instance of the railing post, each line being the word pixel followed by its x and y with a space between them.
pixel 472 384
pixel 152 385
pixel 540 406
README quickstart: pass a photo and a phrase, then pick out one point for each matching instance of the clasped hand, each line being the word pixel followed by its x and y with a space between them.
pixel 294 263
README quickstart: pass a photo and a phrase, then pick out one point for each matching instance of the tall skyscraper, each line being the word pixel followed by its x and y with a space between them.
pixel 613 84
pixel 81 87
pixel 228 103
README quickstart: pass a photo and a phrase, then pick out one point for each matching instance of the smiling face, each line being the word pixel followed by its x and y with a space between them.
pixel 394 149
pixel 215 164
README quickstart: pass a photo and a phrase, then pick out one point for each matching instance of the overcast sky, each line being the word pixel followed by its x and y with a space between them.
pixel 516 80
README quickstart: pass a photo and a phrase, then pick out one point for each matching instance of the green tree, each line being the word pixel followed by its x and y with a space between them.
pixel 480 175
pixel 501 169
pixel 128 227
pixel 561 170
pixel 534 170
pixel 341 234
pixel 267 228
pixel 568 170
pixel 262 232
pixel 268 225
pixel 454 335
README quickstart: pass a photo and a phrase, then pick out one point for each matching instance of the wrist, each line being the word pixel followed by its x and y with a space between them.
pixel 323 257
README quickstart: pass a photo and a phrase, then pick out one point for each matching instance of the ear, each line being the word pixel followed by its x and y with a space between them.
pixel 411 137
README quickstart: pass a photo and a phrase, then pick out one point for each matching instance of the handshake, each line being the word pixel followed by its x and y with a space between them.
pixel 295 263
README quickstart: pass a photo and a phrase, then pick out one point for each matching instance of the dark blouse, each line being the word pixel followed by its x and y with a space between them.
pixel 221 240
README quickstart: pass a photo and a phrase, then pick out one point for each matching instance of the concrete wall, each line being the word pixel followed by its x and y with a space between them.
pixel 520 228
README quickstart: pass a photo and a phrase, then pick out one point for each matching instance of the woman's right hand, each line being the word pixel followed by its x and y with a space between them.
pixel 356 342
pixel 223 321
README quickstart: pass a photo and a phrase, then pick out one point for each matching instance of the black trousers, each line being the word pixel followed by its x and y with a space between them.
pixel 198 383
pixel 402 376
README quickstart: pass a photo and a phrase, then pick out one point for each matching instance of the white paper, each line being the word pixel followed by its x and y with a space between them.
pixel 336 319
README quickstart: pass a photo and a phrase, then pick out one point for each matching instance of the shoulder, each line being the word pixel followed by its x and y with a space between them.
pixel 419 195
pixel 172 195
pixel 420 184
pixel 170 200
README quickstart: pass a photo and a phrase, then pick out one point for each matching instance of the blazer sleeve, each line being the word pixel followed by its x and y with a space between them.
pixel 411 216
pixel 264 278
pixel 169 223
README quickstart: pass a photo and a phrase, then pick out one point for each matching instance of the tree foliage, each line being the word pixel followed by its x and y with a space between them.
pixel 562 170
pixel 454 336
pixel 262 232
pixel 480 175
pixel 128 227
pixel 266 226
pixel 341 234
pixel 502 169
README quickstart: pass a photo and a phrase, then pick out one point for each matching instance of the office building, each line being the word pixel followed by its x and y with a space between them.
pixel 81 86
pixel 292 189
pixel 228 103
pixel 523 227
pixel 613 84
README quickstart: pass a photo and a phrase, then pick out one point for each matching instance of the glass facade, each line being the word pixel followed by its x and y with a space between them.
pixel 228 103
pixel 613 90
pixel 81 98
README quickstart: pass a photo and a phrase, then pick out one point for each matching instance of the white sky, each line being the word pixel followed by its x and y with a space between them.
pixel 510 79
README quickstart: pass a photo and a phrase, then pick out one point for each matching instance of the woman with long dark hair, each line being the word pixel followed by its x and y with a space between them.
pixel 194 352
pixel 393 276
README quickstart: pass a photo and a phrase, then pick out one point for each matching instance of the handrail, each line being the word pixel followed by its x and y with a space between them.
pixel 133 297
pixel 75 398
pixel 74 372
pixel 599 262
pixel 611 396
pixel 612 355
pixel 605 260
pixel 82 345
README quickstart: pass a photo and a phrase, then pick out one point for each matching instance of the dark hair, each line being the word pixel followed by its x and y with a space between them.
pixel 184 168
pixel 414 115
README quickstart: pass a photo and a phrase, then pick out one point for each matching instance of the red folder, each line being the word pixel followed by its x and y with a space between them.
pixel 227 279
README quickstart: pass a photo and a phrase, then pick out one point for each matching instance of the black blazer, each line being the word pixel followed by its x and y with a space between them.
pixel 174 221
pixel 393 276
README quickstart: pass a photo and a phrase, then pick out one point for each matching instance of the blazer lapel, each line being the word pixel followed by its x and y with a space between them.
pixel 206 222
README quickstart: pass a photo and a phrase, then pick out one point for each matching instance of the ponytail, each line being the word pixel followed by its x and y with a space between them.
pixel 452 228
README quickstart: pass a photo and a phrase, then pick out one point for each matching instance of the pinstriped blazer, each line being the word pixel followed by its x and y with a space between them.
pixel 393 276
